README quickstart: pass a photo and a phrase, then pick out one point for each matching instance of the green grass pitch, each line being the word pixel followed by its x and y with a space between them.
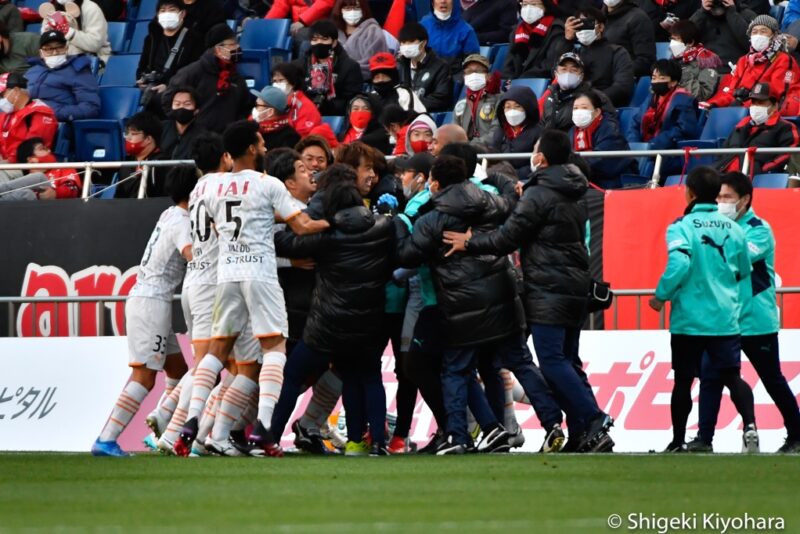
pixel 476 493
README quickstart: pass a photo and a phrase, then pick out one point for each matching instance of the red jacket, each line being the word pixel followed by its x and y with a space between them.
pixel 300 10
pixel 36 119
pixel 303 114
pixel 781 73
pixel 66 182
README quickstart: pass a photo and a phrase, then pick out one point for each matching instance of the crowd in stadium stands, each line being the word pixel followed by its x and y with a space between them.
pixel 614 75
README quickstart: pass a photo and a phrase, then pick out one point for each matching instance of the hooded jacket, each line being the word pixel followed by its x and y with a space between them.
pixel 431 82
pixel 10 15
pixel 476 294
pixel 607 136
pixel 452 39
pixel 23 46
pixel 35 119
pixel 353 264
pixel 530 127
pixel 556 105
pixel 610 69
pixel 548 225
pixel 726 35
pixel 70 90
pixel 630 27
pixel 347 81
pixel 492 20
pixel 780 73
pixel 538 60
pixel 374 134
pixel 422 118
pixel 365 42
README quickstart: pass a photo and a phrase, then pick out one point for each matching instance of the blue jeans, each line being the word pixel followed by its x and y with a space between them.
pixel 460 387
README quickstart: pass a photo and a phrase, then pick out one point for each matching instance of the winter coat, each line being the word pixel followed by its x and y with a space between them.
pixel 492 20
pixel 775 133
pixel 485 127
pixel 781 73
pixel 202 15
pixel 657 11
pixel 427 120
pixel 726 36
pixel 608 137
pixel 548 225
pixel 700 79
pixel 24 45
pixel 303 114
pixel 176 146
pixel 362 44
pixel 431 82
pixel 10 15
pixel 156 51
pixel 555 106
pixel 525 140
pixel 538 60
pixel 630 27
pixel 353 264
pixel 347 82
pixel 217 111
pixel 610 69
pixel 476 294
pixel 91 35
pixel 307 12
pixel 679 123
pixel 35 119
pixel 452 39
pixel 70 90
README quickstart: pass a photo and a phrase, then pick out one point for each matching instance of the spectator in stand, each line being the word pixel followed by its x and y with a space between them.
pixel 492 20
pixel 791 14
pixel 332 77
pixel 595 131
pixel 384 79
pixel 303 114
pixel 630 27
pixel 722 27
pixel 362 124
pixel 555 105
pixel 419 135
pixel 537 42
pixel 222 94
pixel 15 49
pixel 764 128
pixel 63 82
pixel 518 116
pixel 66 183
pixel 359 33
pixel 158 64
pixel 669 116
pixel 395 120
pixel 699 64
pixel 86 34
pixel 180 129
pixel 448 34
pixel 607 66
pixel 315 152
pixel 665 13
pixel 271 112
pixel 767 62
pixel 142 138
pixel 477 113
pixel 10 17
pixel 202 15
pixel 21 117
pixel 325 131
pixel 304 13
pixel 424 71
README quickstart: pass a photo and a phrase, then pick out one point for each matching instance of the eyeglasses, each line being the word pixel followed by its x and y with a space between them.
pixel 53 50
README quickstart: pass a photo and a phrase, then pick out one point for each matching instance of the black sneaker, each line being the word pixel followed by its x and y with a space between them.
pixel 308 439
pixel 603 444
pixel 262 442
pixel 183 445
pixel 572 443
pixel 378 450
pixel 676 447
pixel 497 440
pixel 449 446
pixel 790 446
pixel 596 433
pixel 433 445
pixel 553 440
pixel 698 445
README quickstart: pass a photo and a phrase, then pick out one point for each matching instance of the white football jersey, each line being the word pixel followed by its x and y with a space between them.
pixel 162 267
pixel 243 206
pixel 300 205
pixel 202 270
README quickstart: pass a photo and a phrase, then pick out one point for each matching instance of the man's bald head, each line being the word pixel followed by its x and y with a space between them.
pixel 447 134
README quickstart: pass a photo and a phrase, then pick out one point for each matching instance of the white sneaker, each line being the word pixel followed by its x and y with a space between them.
pixel 750 440
pixel 155 423
pixel 166 446
pixel 223 448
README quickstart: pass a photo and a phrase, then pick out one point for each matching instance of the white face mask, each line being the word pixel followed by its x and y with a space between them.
pixel 409 51
pixel 677 48
pixel 728 209
pixel 515 117
pixel 586 37
pixel 759 42
pixel 392 139
pixel 475 81
pixel 442 16
pixel 759 114
pixel 612 3
pixel 169 20
pixel 568 80
pixel 582 117
pixel 283 86
pixel 531 14
pixel 258 116
pixel 352 16
pixel 5 105
pixel 54 62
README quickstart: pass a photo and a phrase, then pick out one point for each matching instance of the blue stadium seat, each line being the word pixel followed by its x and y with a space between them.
pixel 663 51
pixel 145 10
pixel 500 53
pixel 771 181
pixel 62 144
pixel 34 28
pixel 263 34
pixel 776 12
pixel 631 131
pixel 486 51
pixel 335 122
pixel 101 139
pixel 33 4
pixel 720 122
pixel 641 92
pixel 423 7
pixel 645 163
pixel 537 85
pixel 140 31
pixel 94 66
pixel 442 118
pixel 675 179
pixel 120 71
pixel 231 24
pixel 459 92
pixel 117 32
pixel 255 70
pixel 110 190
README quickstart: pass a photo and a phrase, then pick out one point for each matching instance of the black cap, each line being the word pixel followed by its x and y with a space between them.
pixel 570 56
pixel 419 162
pixel 763 91
pixel 218 33
pixel 52 36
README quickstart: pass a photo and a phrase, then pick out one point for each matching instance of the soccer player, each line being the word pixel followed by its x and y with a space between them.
pixel 152 345
pixel 707 259
pixel 243 206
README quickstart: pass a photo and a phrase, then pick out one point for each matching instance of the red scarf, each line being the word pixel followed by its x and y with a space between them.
pixel 353 135
pixel 766 55
pixel 322 77
pixel 224 76
pixel 274 124
pixel 523 33
pixel 473 101
pixel 512 132
pixel 706 59
pixel 582 137
pixel 654 116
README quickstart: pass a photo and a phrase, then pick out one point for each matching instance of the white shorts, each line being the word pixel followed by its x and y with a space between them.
pixel 198 309
pixel 259 303
pixel 150 337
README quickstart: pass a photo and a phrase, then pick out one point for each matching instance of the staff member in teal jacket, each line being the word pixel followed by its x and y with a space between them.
pixel 758 322
pixel 707 258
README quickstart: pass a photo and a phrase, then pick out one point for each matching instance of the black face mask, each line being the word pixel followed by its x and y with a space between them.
pixel 659 88
pixel 383 88
pixel 236 55
pixel 321 50
pixel 182 115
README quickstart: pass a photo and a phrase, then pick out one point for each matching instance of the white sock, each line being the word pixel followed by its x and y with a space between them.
pixel 249 413
pixel 212 408
pixel 126 407
pixel 509 417
pixel 270 381
pixel 179 417
pixel 326 394
pixel 519 394
pixel 234 403
pixel 205 377
pixel 167 407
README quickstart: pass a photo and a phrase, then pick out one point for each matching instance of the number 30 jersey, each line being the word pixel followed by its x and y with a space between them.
pixel 202 270
pixel 162 266
pixel 243 206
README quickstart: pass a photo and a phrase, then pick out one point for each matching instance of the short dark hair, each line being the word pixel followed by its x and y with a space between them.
pixel 669 68
pixel 325 28
pixel 705 183
pixel 177 3
pixel 555 146
pixel 591 12
pixel 292 72
pixel 352 154
pixel 189 90
pixel 594 98
pixel 334 174
pixel 26 149
pixel 336 12
pixel 239 136
pixel 686 30
pixel 738 182
pixel 463 151
pixel 207 151
pixel 448 170
pixel 180 182
pixel 339 196
pixel 147 123
pixel 4 30
pixel 315 140
pixel 412 31
pixel 393 113
pixel 280 162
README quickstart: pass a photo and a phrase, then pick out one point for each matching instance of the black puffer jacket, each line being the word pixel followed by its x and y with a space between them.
pixel 538 59
pixel 476 294
pixel 630 27
pixel 557 106
pixel 609 68
pixel 549 225
pixel 353 265
pixel 432 82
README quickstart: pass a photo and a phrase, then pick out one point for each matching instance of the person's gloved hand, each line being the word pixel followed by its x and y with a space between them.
pixel 386 203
